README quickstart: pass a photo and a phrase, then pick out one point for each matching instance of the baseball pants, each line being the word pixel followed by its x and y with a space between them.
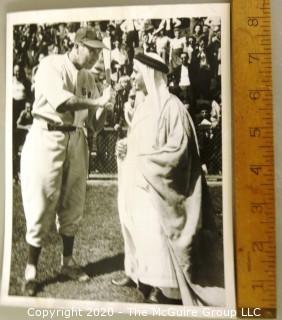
pixel 54 168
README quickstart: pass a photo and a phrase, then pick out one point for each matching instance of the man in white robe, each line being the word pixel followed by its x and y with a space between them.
pixel 160 193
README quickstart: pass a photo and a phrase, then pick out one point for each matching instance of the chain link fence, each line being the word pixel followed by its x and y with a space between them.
pixel 102 159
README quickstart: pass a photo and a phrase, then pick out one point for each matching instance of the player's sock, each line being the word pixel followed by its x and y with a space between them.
pixel 33 256
pixel 69 267
pixel 67 249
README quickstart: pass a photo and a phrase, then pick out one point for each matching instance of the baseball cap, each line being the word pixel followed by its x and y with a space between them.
pixel 89 38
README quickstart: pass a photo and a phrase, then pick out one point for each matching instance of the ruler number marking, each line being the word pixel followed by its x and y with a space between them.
pixel 255 169
pixel 255 132
pixel 257 207
pixel 253 22
pixel 254 95
pixel 258 246
pixel 261 246
pixel 253 57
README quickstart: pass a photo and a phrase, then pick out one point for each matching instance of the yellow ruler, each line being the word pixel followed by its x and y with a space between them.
pixel 254 158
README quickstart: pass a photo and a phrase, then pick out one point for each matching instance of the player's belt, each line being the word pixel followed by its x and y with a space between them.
pixel 45 124
pixel 55 127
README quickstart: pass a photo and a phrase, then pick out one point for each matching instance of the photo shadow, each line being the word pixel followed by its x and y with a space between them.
pixel 106 265
pixel 93 269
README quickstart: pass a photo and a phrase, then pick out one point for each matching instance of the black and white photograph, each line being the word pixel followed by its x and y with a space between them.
pixel 118 158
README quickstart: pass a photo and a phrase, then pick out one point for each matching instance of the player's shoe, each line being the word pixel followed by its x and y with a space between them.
pixel 123 281
pixel 73 271
pixel 157 297
pixel 30 287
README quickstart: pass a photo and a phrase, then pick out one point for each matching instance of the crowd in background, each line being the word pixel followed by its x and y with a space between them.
pixel 190 47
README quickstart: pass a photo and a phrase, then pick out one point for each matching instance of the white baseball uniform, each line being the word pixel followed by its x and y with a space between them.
pixel 54 163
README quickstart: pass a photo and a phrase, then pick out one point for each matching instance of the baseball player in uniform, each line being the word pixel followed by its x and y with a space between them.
pixel 54 161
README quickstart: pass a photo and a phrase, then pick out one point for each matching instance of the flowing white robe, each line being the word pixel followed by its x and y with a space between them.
pixel 160 201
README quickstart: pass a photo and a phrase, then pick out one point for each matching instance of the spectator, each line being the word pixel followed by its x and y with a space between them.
pixel 204 136
pixel 213 54
pixel 119 56
pixel 219 69
pixel 32 53
pixel 203 74
pixel 23 48
pixel 51 35
pixel 216 112
pixel 213 22
pixel 145 43
pixel 25 119
pixel 20 95
pixel 110 34
pixel 167 25
pixel 24 123
pixel 147 27
pixel 97 29
pixel 118 32
pixel 162 44
pixel 197 33
pixel 129 107
pixel 215 152
pixel 122 89
pixel 176 48
pixel 182 80
pixel 65 45
pixel 205 33
pixel 53 49
pixel 62 33
pixel 190 49
pixel 130 29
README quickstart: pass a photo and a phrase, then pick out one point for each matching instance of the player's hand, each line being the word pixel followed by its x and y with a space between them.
pixel 109 106
pixel 121 149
